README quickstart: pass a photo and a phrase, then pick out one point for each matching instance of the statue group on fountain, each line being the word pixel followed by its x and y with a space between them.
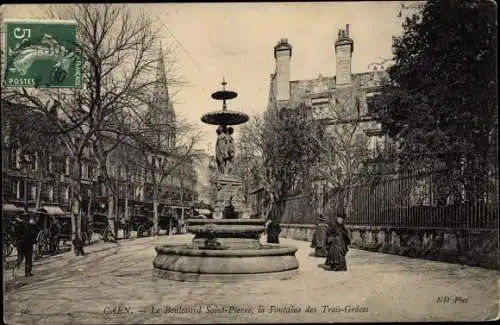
pixel 224 149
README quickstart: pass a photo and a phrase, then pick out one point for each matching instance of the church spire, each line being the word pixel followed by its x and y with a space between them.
pixel 162 108
pixel 161 75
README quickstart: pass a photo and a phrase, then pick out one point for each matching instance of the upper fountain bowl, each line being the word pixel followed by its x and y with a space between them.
pixel 224 95
pixel 225 117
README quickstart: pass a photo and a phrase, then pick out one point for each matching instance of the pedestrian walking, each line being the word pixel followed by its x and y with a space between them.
pixel 319 237
pixel 338 240
pixel 25 234
pixel 273 230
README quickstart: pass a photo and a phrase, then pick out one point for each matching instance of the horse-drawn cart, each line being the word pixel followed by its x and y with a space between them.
pixel 170 223
pixel 140 223
pixel 53 226
pixel 9 212
pixel 101 225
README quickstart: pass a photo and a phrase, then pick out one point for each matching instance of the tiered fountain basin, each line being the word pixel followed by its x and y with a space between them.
pixel 225 250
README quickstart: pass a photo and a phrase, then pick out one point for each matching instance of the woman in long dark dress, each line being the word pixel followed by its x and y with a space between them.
pixel 273 230
pixel 319 237
pixel 338 240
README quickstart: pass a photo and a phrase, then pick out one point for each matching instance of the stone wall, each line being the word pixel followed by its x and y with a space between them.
pixel 471 247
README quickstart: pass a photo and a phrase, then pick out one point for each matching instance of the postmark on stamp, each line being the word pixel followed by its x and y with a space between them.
pixel 42 53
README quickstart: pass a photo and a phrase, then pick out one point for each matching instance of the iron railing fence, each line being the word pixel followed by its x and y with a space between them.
pixel 442 199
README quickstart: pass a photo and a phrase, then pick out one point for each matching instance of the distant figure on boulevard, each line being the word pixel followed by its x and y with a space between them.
pixel 338 240
pixel 273 230
pixel 319 237
pixel 25 234
pixel 78 247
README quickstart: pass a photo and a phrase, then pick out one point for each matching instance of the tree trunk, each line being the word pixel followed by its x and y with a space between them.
pixel 269 208
pixel 280 210
pixel 126 202
pixel 89 206
pixel 38 192
pixel 349 202
pixel 155 216
pixel 111 212
pixel 76 198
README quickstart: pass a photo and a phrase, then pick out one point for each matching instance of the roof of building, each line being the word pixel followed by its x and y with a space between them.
pixel 299 89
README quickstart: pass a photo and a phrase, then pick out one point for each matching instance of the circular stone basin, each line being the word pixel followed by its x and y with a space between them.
pixel 183 263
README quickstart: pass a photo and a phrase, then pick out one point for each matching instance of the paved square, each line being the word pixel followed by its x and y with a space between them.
pixel 114 284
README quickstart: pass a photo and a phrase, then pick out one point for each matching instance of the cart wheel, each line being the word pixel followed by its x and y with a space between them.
pixel 85 238
pixel 142 231
pixel 53 245
pixel 126 232
pixel 90 235
pixel 41 244
pixel 107 234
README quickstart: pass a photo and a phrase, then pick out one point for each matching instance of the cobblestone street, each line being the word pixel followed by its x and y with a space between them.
pixel 377 287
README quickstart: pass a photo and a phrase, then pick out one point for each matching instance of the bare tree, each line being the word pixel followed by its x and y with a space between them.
pixel 166 160
pixel 344 146
pixel 118 49
pixel 281 150
pixel 249 158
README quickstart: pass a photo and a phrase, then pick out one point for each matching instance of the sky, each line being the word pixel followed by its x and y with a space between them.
pixel 236 40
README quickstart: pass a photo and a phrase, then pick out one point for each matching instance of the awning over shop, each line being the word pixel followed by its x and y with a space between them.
pixel 52 211
pixel 10 209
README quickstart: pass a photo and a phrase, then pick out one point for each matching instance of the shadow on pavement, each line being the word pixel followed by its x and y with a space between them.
pixel 324 267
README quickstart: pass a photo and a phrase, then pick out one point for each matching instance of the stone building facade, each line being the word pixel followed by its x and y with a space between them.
pixel 341 99
pixel 48 183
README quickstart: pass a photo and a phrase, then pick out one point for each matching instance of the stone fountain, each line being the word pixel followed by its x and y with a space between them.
pixel 226 248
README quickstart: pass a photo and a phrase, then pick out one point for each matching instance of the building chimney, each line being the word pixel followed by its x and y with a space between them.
pixel 283 54
pixel 344 46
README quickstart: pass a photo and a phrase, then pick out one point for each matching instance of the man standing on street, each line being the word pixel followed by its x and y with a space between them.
pixel 25 233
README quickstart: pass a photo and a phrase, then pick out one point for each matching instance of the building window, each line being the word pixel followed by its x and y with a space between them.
pixel 90 170
pixel 84 170
pixel 66 194
pixel 103 190
pixel 16 158
pixel 17 189
pixel 50 167
pixel 36 162
pixel 51 193
pixel 33 192
pixel 67 166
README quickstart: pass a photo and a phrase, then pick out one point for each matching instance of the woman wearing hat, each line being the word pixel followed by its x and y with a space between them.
pixel 338 240
pixel 319 237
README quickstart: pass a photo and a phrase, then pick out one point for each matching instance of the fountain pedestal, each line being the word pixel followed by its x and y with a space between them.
pixel 229 188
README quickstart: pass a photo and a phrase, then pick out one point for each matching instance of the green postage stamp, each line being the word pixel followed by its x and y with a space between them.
pixel 42 53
